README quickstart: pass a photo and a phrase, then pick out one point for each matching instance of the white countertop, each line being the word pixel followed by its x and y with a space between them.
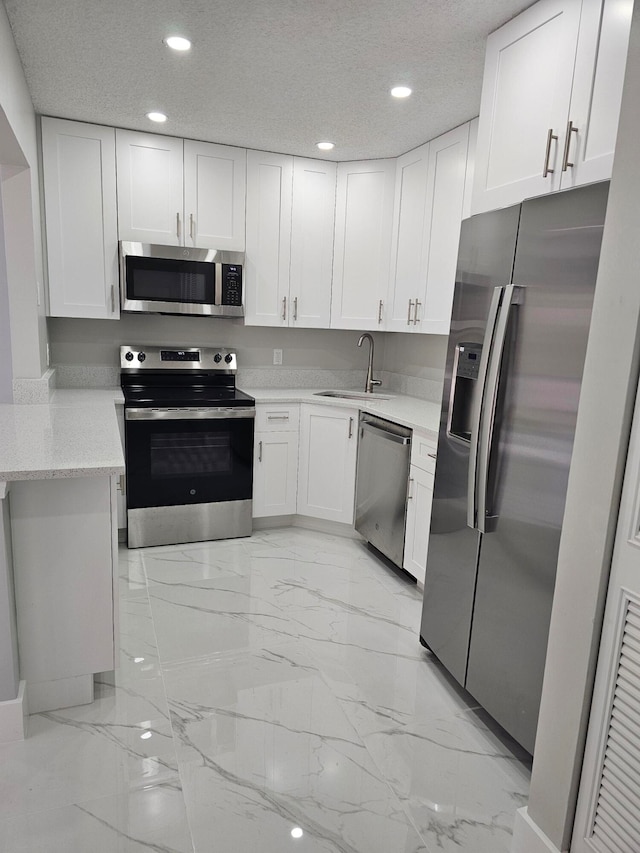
pixel 75 435
pixel 408 411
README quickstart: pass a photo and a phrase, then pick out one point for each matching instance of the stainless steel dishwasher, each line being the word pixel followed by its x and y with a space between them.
pixel 384 452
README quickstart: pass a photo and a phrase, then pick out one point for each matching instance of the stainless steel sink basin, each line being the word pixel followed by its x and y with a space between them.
pixel 352 395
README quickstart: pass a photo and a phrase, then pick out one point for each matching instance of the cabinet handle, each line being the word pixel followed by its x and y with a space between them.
pixel 431 455
pixel 295 308
pixel 409 312
pixel 546 170
pixel 122 484
pixel 178 225
pixel 113 299
pixel 415 313
pixel 380 312
pixel 259 451
pixel 191 225
pixel 284 307
pixel 567 144
pixel 410 489
pixel 350 427
pixel 277 417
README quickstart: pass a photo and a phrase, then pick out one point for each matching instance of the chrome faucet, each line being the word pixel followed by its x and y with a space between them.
pixel 369 381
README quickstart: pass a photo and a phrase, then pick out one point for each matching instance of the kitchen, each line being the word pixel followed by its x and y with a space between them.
pixel 271 341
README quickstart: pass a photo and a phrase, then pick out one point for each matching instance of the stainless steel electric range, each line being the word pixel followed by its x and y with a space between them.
pixel 188 445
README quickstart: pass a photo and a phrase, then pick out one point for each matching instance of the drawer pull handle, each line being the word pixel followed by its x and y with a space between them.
pixel 277 417
pixel 431 455
pixel 567 144
pixel 380 312
pixel 409 312
pixel 409 495
pixel 284 307
pixel 546 170
pixel 350 427
pixel 259 451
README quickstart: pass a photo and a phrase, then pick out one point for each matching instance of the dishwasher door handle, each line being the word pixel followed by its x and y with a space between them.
pixel 390 436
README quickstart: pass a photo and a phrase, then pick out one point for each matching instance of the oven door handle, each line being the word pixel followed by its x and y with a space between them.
pixel 188 414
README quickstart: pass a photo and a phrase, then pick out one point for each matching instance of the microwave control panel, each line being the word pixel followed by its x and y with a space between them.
pixel 231 291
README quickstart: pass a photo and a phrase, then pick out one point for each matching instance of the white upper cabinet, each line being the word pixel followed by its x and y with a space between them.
pixel 214 196
pixel 79 183
pixel 180 193
pixel 597 91
pixel 269 186
pixel 312 230
pixel 290 217
pixel 430 193
pixel 362 250
pixel 150 196
pixel 550 100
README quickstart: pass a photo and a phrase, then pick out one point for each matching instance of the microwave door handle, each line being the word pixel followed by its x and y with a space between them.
pixel 512 296
pixel 476 418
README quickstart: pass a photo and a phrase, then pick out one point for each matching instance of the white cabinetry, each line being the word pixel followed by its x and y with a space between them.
pixel 275 468
pixel 428 210
pixel 551 97
pixel 79 182
pixel 290 216
pixel 362 250
pixel 180 193
pixel 327 462
pixel 419 498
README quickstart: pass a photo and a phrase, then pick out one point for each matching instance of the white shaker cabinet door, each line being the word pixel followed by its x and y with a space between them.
pixel 269 186
pixel 416 540
pixel 362 252
pixel 275 474
pixel 327 462
pixel 79 181
pixel 312 231
pixel 592 128
pixel 408 251
pixel 525 100
pixel 215 179
pixel 150 195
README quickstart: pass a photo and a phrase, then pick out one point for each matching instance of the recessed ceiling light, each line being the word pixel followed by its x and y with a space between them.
pixel 157 117
pixel 401 91
pixel 326 146
pixel 177 43
pixel 296 832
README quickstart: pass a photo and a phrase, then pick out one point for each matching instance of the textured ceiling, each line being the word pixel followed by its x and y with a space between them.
pixel 277 75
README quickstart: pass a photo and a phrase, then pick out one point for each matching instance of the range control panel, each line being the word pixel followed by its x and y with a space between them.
pixel 189 358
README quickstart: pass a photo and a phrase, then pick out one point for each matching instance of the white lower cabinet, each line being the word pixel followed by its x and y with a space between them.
pixel 327 462
pixel 419 498
pixel 275 474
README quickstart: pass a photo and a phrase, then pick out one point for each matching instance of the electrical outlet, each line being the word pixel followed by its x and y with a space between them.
pixel 277 356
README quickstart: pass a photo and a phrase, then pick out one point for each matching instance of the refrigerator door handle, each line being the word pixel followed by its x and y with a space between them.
pixel 512 296
pixel 490 329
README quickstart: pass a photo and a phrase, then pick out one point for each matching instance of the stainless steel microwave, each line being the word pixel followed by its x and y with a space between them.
pixel 180 280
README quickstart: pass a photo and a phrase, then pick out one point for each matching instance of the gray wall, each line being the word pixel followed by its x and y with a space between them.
pixel 6 372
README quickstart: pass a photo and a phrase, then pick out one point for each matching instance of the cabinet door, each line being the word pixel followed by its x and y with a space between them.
pixel 525 95
pixel 312 229
pixel 408 273
pixel 416 540
pixel 362 252
pixel 275 474
pixel 445 198
pixel 150 202
pixel 215 178
pixel 269 183
pixel 327 463
pixel 79 180
pixel 597 92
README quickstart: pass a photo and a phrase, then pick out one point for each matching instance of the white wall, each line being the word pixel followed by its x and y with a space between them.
pixel 602 434
pixel 6 372
pixel 18 148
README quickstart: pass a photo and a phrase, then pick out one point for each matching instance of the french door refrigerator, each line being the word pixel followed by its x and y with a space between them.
pixel 520 322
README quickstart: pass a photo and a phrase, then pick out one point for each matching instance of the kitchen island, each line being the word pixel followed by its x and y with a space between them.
pixel 58 550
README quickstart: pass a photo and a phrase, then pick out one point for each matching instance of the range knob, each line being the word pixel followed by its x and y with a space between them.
pixel 129 356
pixel 228 358
pixel 217 358
pixel 141 356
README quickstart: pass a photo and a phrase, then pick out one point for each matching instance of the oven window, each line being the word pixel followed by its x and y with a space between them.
pixel 180 453
pixel 169 280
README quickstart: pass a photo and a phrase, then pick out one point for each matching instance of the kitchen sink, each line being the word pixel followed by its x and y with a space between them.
pixel 352 395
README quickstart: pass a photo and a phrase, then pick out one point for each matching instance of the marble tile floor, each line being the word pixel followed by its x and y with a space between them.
pixel 272 695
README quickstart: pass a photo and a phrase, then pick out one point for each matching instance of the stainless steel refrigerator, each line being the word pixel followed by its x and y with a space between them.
pixel 520 322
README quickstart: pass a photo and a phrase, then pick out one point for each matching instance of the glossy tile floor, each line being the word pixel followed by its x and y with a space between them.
pixel 272 696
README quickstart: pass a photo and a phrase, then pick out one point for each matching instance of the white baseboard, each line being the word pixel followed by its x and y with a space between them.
pixel 528 837
pixel 61 693
pixel 13 717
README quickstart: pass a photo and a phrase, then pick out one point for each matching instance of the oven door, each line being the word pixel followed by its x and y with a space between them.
pixel 181 457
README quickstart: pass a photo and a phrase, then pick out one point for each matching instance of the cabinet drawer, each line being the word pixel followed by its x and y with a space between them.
pixel 423 452
pixel 270 418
